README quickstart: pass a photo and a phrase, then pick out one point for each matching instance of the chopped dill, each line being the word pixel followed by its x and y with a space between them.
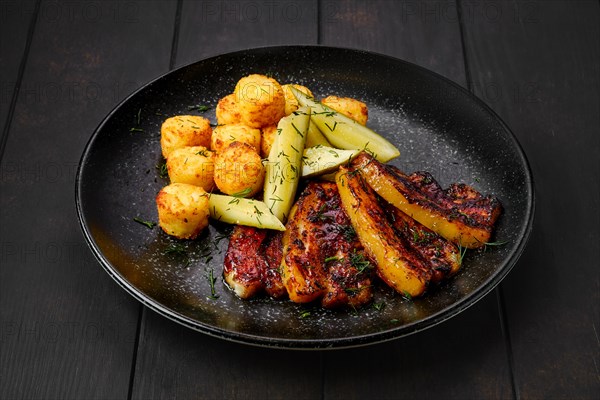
pixel 176 249
pixel 358 261
pixel 148 224
pixel 211 281
pixel 243 193
pixel 199 108
pixel 163 172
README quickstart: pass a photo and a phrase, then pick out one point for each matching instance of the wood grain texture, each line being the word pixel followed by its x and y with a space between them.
pixel 211 27
pixel 17 21
pixel 463 358
pixel 173 361
pixel 437 363
pixel 537 64
pixel 178 363
pixel 68 330
pixel 426 33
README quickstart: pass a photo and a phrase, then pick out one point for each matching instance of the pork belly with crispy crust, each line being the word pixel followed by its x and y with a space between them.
pixel 459 213
pixel 252 261
pixel 441 255
pixel 322 256
pixel 397 264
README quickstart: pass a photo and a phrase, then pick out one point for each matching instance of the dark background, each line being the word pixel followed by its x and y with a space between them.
pixel 67 330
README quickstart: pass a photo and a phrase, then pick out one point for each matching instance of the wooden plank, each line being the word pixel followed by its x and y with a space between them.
pixel 462 358
pixel 67 329
pixel 177 362
pixel 211 27
pixel 17 21
pixel 173 361
pixel 537 64
pixel 423 32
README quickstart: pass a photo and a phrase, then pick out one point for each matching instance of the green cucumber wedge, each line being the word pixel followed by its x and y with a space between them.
pixel 315 137
pixel 241 211
pixel 319 160
pixel 345 133
pixel 285 163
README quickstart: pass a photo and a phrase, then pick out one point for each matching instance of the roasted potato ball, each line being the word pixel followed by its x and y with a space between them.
pixel 239 170
pixel 183 210
pixel 352 108
pixel 227 110
pixel 193 165
pixel 260 100
pixel 291 104
pixel 184 130
pixel 223 135
pixel 269 133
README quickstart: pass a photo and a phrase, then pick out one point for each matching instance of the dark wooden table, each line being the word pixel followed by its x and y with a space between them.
pixel 68 331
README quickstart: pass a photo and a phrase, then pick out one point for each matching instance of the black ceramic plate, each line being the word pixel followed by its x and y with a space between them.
pixel 438 127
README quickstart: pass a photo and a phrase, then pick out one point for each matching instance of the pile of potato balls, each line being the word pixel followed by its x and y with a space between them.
pixel 229 158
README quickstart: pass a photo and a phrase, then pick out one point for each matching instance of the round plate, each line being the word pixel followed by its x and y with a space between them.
pixel 437 125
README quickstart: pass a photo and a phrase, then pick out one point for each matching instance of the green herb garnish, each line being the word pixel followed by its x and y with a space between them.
pixel 211 281
pixel 462 251
pixel 199 108
pixel 243 193
pixel 495 243
pixel 163 171
pixel 358 261
pixel 176 249
pixel 148 224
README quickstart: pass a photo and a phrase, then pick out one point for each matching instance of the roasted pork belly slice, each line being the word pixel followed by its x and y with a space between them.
pixel 459 213
pixel 273 252
pixel 322 256
pixel 252 262
pixel 397 263
pixel 348 281
pixel 442 255
pixel 244 265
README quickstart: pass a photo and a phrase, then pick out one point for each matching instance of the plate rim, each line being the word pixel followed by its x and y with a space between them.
pixel 331 343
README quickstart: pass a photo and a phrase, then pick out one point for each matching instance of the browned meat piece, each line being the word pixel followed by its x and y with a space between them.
pixel 442 255
pixel 460 201
pixel 252 262
pixel 460 213
pixel 323 258
pixel 273 252
pixel 243 266
pixel 397 264
pixel 348 280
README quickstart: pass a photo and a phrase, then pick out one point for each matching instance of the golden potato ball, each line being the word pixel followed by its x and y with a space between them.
pixel 223 135
pixel 227 110
pixel 352 108
pixel 269 133
pixel 291 104
pixel 182 131
pixel 183 210
pixel 239 170
pixel 192 165
pixel 260 100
